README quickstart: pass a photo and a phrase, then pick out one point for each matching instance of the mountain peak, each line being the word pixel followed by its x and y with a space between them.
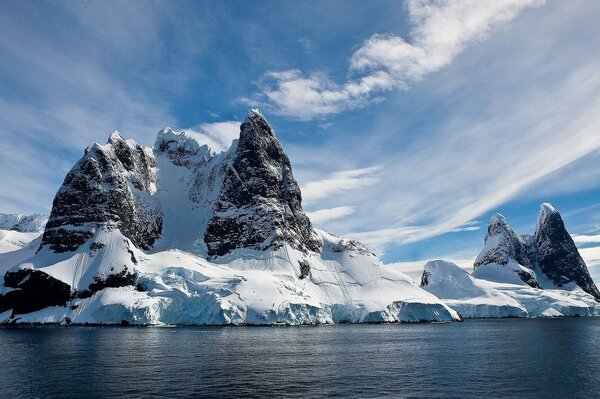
pixel 115 136
pixel 503 247
pixel 546 209
pixel 267 203
pixel 557 254
pixel 498 218
pixel 255 112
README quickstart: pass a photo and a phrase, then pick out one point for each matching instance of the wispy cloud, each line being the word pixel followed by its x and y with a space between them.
pixel 218 135
pixel 586 239
pixel 340 182
pixel 325 215
pixel 441 30
pixel 307 45
pixel 378 240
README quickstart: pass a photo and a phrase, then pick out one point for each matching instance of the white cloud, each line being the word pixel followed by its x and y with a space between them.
pixel 378 240
pixel 340 182
pixel 440 31
pixel 591 256
pixel 324 215
pixel 218 135
pixel 586 239
pixel 307 45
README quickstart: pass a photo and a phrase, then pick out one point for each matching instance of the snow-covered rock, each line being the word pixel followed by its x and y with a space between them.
pixel 33 223
pixel 259 205
pixel 503 248
pixel 548 259
pixel 475 297
pixel 111 187
pixel 179 234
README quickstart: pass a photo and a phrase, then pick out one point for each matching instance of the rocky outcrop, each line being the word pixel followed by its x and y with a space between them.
pixel 259 205
pixel 110 187
pixel 33 290
pixel 550 251
pixel 502 246
pixel 557 255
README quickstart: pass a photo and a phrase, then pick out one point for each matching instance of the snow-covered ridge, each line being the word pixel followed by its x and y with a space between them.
pixel 23 223
pixel 548 258
pixel 540 275
pixel 178 234
pixel 497 296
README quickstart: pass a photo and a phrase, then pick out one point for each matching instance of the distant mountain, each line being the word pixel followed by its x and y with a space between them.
pixel 23 223
pixel 478 297
pixel 179 234
pixel 540 275
pixel 548 259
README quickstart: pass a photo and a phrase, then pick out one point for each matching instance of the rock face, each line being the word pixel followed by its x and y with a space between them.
pixel 260 202
pixel 503 247
pixel 550 251
pixel 33 290
pixel 557 255
pixel 502 244
pixel 110 187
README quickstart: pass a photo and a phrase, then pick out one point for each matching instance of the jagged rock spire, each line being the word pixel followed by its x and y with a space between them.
pixel 111 184
pixel 259 197
pixel 557 255
pixel 502 244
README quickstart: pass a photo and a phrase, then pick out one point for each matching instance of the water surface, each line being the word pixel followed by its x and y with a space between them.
pixel 477 358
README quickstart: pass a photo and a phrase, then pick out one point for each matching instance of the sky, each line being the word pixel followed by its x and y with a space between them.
pixel 408 124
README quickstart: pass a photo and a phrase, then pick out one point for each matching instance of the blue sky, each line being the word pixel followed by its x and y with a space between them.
pixel 408 124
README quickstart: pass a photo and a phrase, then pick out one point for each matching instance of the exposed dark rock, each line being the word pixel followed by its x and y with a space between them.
pixel 109 187
pixel 304 268
pixel 425 279
pixel 34 290
pixel 123 279
pixel 502 245
pixel 550 251
pixel 557 255
pixel 259 206
pixel 508 245
pixel 529 279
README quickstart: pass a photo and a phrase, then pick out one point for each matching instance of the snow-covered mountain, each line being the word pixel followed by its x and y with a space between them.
pixel 519 276
pixel 476 297
pixel 33 223
pixel 548 259
pixel 179 234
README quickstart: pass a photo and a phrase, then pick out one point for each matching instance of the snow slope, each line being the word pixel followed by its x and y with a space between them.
pixel 502 294
pixel 246 287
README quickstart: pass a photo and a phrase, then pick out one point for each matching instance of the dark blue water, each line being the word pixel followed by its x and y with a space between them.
pixel 501 358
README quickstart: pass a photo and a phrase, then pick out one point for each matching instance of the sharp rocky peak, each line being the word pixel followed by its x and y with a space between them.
pixel 259 206
pixel 110 187
pixel 550 250
pixel 557 255
pixel 248 195
pixel 502 245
